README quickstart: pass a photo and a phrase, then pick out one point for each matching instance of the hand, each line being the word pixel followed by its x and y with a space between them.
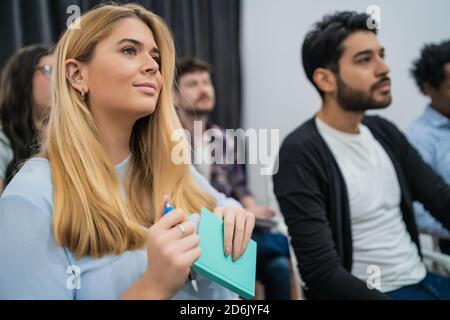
pixel 172 248
pixel 262 212
pixel 238 229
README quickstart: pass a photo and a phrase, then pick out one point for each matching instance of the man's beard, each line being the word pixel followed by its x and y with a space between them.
pixel 357 100
pixel 194 113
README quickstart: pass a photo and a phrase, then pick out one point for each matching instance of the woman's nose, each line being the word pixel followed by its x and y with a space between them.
pixel 151 66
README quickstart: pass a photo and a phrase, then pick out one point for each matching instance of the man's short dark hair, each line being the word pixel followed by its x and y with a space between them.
pixel 429 68
pixel 190 65
pixel 322 47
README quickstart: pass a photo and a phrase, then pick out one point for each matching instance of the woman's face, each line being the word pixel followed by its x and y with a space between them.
pixel 42 85
pixel 123 77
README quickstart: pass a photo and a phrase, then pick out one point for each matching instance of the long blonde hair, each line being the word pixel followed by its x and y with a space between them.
pixel 91 216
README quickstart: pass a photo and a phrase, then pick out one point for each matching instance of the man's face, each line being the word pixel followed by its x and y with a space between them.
pixel 363 82
pixel 195 92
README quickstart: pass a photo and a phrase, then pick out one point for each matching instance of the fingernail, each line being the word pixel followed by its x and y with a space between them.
pixel 227 251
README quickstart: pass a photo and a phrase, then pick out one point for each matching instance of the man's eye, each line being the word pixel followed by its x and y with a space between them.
pixel 364 61
pixel 129 51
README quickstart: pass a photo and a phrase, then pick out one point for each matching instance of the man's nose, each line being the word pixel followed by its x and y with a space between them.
pixel 383 68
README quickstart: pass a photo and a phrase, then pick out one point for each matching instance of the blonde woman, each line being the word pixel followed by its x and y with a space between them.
pixel 83 220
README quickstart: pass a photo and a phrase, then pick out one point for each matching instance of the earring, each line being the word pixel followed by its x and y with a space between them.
pixel 83 95
pixel 70 79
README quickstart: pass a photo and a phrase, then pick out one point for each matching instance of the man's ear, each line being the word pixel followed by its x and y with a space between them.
pixel 325 79
pixel 76 75
pixel 428 89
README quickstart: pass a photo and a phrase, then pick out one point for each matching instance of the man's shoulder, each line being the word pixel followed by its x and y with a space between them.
pixel 377 121
pixel 304 136
pixel 420 129
pixel 381 126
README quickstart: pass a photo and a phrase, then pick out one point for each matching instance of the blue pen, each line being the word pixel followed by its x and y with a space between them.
pixel 168 208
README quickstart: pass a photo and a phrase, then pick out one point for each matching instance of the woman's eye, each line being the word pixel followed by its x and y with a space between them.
pixel 129 51
pixel 157 60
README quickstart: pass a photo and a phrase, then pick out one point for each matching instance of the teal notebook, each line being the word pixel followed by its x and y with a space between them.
pixel 238 276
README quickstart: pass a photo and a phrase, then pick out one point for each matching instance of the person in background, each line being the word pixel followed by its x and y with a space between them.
pixel 430 133
pixel 347 181
pixel 194 95
pixel 25 94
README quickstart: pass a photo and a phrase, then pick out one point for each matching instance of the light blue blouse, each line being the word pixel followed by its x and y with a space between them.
pixel 33 266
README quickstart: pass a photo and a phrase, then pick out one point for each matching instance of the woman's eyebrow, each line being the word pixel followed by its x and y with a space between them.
pixel 139 44
pixel 135 42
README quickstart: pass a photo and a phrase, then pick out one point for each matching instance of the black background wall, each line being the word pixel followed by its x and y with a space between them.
pixel 207 29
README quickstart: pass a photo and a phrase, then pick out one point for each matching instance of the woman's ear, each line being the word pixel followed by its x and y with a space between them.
pixel 76 76
pixel 325 80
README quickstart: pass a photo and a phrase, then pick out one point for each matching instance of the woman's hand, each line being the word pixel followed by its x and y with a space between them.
pixel 172 248
pixel 238 229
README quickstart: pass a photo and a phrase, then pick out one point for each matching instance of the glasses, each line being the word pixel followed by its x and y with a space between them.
pixel 46 69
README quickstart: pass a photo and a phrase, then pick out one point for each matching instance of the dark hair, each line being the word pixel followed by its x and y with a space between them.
pixel 189 65
pixel 429 68
pixel 322 47
pixel 16 104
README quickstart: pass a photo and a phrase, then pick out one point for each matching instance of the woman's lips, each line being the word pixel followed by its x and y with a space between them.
pixel 147 88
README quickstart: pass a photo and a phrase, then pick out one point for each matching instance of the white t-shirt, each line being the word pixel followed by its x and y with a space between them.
pixel 381 243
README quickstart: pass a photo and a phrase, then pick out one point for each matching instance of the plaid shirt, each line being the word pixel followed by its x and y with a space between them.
pixel 229 179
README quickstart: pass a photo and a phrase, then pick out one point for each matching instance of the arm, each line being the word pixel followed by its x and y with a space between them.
pixel 303 204
pixel 221 199
pixel 31 265
pixel 236 177
pixel 427 187
pixel 143 289
pixel 426 223
pixel 239 223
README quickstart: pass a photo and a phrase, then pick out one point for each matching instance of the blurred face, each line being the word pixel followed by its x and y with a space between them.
pixel 195 92
pixel 363 82
pixel 441 96
pixel 123 77
pixel 42 85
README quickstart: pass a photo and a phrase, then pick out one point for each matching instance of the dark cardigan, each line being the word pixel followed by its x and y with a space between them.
pixel 313 198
